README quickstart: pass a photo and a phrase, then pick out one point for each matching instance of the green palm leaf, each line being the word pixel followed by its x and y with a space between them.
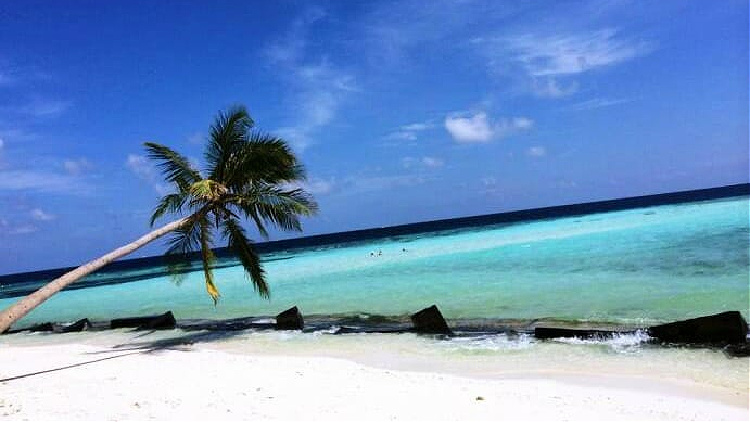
pixel 226 135
pixel 183 243
pixel 275 205
pixel 243 248
pixel 208 259
pixel 174 166
pixel 250 174
pixel 263 158
pixel 171 203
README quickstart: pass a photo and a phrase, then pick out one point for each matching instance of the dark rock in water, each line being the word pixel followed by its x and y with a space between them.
pixel 47 326
pixel 162 322
pixel 291 319
pixel 80 325
pixel 430 321
pixel 726 327
pixel 544 333
pixel 158 322
pixel 738 350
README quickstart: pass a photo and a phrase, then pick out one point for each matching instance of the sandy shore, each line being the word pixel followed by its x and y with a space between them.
pixel 97 383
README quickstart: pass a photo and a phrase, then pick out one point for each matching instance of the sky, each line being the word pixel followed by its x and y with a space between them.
pixel 402 111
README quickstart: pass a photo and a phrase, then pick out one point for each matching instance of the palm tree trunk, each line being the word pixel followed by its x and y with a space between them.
pixel 19 309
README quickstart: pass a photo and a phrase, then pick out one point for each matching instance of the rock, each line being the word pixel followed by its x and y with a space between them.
pixel 162 322
pixel 430 321
pixel 46 326
pixel 158 322
pixel 291 319
pixel 738 350
pixel 80 325
pixel 726 327
pixel 544 333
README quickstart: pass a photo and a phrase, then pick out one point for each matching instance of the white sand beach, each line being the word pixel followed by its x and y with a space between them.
pixel 200 383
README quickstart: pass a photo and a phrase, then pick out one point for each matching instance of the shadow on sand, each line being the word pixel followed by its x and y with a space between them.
pixel 180 343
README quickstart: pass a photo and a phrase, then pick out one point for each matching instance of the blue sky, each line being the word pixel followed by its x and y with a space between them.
pixel 402 110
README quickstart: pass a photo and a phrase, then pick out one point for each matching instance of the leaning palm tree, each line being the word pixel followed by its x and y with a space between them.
pixel 248 174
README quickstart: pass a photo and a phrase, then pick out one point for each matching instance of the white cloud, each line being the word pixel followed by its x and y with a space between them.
pixel 424 162
pixel 2 143
pixel 358 184
pixel 409 132
pixel 314 185
pixel 23 229
pixel 319 186
pixel 140 165
pixel 395 33
pixel 402 135
pixel 521 123
pixel 77 166
pixel 146 171
pixel 550 87
pixel 475 128
pixel 570 54
pixel 546 62
pixel 40 107
pixel 417 127
pixel 408 162
pixel 537 151
pixel 316 88
pixel 38 214
pixel 432 162
pixel 596 103
pixel 41 181
pixel 354 185
pixel 478 128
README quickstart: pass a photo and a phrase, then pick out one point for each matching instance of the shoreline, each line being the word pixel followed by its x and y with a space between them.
pixel 322 383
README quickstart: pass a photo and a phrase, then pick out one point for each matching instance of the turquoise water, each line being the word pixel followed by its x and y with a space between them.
pixel 635 266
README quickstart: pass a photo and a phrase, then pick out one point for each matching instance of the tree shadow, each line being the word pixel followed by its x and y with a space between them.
pixel 173 343
pixel 180 343
pixel 75 365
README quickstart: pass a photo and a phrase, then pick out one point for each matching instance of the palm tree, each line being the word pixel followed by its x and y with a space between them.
pixel 248 174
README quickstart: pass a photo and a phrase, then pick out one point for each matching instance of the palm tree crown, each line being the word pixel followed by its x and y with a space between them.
pixel 248 174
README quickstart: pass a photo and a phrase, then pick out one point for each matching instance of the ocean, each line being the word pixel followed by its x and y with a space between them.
pixel 631 267
pixel 628 268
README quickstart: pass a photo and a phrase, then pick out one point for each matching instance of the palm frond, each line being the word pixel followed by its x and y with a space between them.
pixel 239 243
pixel 184 242
pixel 252 213
pixel 229 131
pixel 281 208
pixel 174 166
pixel 171 203
pixel 208 259
pixel 263 158
pixel 248 174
